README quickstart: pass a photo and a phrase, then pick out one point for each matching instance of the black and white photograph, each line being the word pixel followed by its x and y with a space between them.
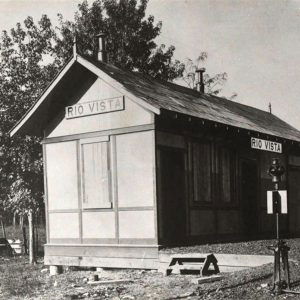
pixel 149 149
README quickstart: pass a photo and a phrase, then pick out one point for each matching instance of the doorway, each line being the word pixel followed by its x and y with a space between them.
pixel 172 195
pixel 249 197
pixel 294 200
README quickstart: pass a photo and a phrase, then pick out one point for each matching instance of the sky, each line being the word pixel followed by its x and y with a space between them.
pixel 257 42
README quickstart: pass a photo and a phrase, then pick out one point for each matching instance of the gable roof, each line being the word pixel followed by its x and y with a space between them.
pixel 155 96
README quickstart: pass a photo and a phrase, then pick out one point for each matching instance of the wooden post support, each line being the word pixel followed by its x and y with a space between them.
pixel 99 269
pixel 32 256
pixel 55 270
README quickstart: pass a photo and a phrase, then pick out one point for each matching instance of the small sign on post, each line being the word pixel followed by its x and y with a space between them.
pixel 277 202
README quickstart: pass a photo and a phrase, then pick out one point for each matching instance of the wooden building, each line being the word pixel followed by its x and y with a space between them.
pixel 132 164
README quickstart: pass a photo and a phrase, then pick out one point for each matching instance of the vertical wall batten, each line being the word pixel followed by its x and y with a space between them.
pixel 114 177
pixel 155 185
pixel 79 184
pixel 187 191
pixel 46 192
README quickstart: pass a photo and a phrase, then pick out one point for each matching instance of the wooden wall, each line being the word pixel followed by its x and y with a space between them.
pixel 129 216
pixel 136 192
pixel 133 115
pixel 212 213
pixel 294 194
pixel 100 174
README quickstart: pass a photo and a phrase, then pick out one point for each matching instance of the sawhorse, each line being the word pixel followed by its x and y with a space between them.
pixel 201 266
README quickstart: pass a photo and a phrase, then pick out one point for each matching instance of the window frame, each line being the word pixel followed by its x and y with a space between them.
pixel 220 148
pixel 93 140
pixel 209 144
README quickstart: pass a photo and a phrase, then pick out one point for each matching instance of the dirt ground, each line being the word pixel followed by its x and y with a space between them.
pixel 18 280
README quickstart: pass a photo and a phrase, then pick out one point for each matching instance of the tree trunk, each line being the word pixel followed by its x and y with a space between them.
pixel 25 240
pixel 3 229
pixel 36 237
pixel 21 220
pixel 32 254
pixel 14 221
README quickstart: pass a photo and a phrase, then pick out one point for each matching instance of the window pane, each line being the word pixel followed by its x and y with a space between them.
pixel 95 175
pixel 202 172
pixel 225 173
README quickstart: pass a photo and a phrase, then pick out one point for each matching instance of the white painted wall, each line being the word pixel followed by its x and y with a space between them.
pixel 64 225
pixel 136 224
pixel 98 224
pixel 133 115
pixel 62 175
pixel 135 169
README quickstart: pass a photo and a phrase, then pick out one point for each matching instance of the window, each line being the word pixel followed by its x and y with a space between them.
pixel 95 174
pixel 226 168
pixel 201 172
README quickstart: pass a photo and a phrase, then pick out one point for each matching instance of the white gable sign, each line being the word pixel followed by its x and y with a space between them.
pixel 95 107
pixel 266 145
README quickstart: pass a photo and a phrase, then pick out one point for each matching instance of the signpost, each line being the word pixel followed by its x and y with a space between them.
pixel 277 204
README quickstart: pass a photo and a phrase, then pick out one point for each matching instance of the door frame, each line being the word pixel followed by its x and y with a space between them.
pixel 258 210
pixel 183 151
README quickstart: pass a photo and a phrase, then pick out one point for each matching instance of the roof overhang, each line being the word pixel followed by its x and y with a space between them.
pixel 37 117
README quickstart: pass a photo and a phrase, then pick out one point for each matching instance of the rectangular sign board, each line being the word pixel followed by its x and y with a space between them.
pixel 266 145
pixel 95 107
pixel 277 202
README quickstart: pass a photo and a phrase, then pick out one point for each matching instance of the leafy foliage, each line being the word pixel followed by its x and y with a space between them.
pixel 30 56
pixel 23 77
pixel 130 37
pixel 213 85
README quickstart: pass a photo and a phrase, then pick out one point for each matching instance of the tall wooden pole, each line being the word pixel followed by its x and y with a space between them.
pixel 32 256
pixel 3 229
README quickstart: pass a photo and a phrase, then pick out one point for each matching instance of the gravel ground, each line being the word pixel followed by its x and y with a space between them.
pixel 18 280
pixel 251 247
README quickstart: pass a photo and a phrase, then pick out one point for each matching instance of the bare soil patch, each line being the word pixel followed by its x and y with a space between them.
pixel 18 280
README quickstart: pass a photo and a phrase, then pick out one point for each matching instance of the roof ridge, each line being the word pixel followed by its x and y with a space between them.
pixel 184 89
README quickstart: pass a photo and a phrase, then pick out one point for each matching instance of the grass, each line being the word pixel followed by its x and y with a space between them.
pixel 18 278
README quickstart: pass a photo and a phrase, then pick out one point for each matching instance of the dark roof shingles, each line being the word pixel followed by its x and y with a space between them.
pixel 173 97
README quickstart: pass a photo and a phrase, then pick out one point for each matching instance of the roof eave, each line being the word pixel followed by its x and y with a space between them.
pixel 95 70
pixel 46 93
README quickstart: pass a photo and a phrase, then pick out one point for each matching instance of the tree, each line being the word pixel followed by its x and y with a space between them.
pixel 23 76
pixel 213 85
pixel 130 37
pixel 32 53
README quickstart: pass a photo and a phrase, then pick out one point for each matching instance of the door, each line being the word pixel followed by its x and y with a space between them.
pixel 294 200
pixel 172 195
pixel 249 197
